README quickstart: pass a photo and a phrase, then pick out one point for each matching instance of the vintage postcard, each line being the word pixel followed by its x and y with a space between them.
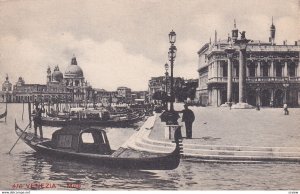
pixel 102 95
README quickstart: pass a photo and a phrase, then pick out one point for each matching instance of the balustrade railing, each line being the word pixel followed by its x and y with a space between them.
pixel 255 79
pixel 272 79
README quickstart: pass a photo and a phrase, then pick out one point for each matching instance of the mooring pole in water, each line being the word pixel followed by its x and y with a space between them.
pixel 23 111
pixel 19 138
pixel 6 110
pixel 29 113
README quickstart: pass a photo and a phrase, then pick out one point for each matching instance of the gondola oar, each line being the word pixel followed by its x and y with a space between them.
pixel 18 139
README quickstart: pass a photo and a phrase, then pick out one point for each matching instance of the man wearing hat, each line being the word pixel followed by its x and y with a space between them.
pixel 188 118
pixel 37 119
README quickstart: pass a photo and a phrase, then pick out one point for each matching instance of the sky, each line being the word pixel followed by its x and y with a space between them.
pixel 125 42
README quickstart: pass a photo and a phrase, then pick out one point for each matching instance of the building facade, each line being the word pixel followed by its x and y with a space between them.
pixel 271 72
pixel 125 94
pixel 59 87
pixel 6 93
pixel 106 97
pixel 162 84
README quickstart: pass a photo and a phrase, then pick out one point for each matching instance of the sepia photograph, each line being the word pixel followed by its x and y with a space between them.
pixel 142 95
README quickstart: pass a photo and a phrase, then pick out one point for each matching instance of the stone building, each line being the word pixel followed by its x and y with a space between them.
pixel 59 87
pixel 23 92
pixel 159 84
pixel 125 94
pixel 106 97
pixel 76 84
pixel 6 93
pixel 263 73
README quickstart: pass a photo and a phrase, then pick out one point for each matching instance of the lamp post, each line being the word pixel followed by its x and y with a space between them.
pixel 171 116
pixel 166 86
pixel 172 56
pixel 166 74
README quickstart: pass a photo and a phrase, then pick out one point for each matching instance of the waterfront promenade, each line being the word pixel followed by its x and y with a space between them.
pixel 220 134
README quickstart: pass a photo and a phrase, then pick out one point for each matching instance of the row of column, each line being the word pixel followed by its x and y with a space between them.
pixel 216 70
pixel 242 73
pixel 272 70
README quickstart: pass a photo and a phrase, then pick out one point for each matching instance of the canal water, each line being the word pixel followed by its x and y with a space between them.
pixel 23 168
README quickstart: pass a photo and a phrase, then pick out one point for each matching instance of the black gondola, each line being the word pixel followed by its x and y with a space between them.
pixel 3 114
pixel 90 145
pixel 111 122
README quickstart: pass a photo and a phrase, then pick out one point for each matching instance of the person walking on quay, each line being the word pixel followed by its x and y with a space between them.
pixel 188 118
pixel 37 120
pixel 230 104
pixel 285 109
pixel 257 107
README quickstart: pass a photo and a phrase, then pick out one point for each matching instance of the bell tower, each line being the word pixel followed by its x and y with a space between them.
pixel 74 61
pixel 48 75
pixel 235 32
pixel 272 33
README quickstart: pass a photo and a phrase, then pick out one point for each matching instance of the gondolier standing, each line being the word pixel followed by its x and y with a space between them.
pixel 37 119
pixel 188 118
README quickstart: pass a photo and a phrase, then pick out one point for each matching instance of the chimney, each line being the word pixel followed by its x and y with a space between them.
pixel 296 43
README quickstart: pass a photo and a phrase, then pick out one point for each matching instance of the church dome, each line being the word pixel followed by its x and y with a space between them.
pixel 74 70
pixel 57 75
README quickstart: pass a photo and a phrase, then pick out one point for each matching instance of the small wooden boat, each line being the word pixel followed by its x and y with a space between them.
pixel 3 114
pixel 58 115
pixel 109 122
pixel 91 145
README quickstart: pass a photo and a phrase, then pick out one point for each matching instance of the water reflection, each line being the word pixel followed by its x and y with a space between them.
pixel 62 173
pixel 24 166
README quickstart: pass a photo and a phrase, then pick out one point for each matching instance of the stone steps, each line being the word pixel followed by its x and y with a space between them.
pixel 240 158
pixel 141 141
pixel 242 148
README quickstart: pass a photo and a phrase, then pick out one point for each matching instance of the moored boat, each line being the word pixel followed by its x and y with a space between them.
pixel 93 121
pixel 3 114
pixel 91 145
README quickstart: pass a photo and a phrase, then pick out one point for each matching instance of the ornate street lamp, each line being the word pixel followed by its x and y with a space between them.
pixel 171 116
pixel 172 56
pixel 166 74
pixel 172 37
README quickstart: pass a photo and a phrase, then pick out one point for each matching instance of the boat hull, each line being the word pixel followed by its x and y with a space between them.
pixel 122 158
pixel 3 114
pixel 56 122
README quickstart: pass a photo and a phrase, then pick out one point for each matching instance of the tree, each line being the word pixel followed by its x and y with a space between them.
pixel 160 95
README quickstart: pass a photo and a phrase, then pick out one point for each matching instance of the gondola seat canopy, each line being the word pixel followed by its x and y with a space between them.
pixel 88 140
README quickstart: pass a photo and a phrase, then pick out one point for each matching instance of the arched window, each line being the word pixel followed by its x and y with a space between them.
pixel 265 69
pixel 251 69
pixel 278 68
pixel 292 69
pixel 225 69
pixel 235 69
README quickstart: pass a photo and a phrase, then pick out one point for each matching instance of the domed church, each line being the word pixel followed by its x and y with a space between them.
pixel 71 82
pixel 74 74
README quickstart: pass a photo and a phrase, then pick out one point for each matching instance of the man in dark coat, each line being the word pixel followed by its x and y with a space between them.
pixel 37 120
pixel 188 118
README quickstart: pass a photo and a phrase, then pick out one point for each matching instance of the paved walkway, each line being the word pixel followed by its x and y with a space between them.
pixel 223 134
